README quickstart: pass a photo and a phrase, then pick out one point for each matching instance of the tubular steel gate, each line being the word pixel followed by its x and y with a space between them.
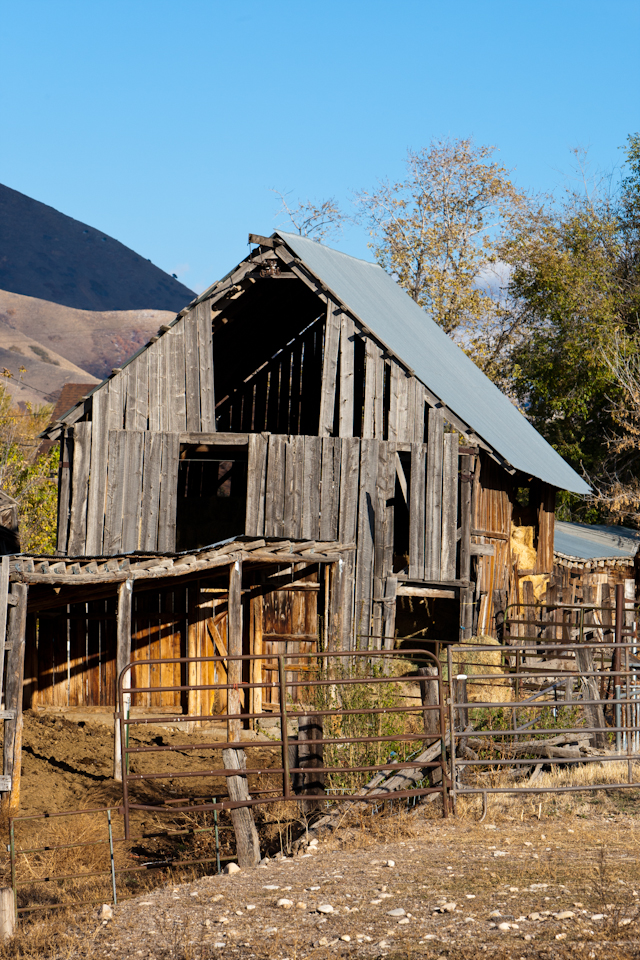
pixel 340 716
pixel 561 691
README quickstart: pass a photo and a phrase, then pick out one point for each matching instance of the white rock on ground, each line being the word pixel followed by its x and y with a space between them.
pixel 325 908
pixel 106 912
pixel 284 904
pixel 398 912
pixel 231 868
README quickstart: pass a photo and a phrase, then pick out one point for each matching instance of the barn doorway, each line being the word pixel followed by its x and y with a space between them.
pixel 212 494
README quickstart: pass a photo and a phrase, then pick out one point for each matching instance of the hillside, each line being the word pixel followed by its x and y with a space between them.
pixel 32 373
pixel 50 256
pixel 93 341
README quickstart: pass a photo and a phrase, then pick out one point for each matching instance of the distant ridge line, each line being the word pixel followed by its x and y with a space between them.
pixel 48 255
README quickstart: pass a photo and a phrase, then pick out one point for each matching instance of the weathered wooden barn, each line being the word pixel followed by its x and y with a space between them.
pixel 301 458
pixel 306 398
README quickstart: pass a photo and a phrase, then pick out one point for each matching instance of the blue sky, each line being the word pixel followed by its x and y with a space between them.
pixel 165 124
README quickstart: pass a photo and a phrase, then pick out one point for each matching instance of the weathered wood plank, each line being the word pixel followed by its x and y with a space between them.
pixel 289 487
pixel 256 483
pixel 403 424
pixel 136 377
pixel 411 410
pixel 449 507
pixel 156 398
pixel 434 495
pixel 168 491
pixel 192 370
pixel 378 400
pixel 151 491
pixel 116 393
pixel 64 489
pixel 329 370
pixel 419 410
pixel 330 492
pixel 389 618
pixel 370 386
pixel 387 479
pixel 274 495
pixel 347 532
pixel 347 341
pixel 296 444
pixel 132 496
pixel 349 484
pixel 205 355
pixel 112 543
pixel 466 603
pixel 97 472
pixel 177 375
pixel 394 387
pixel 79 489
pixel 366 535
pixel 417 512
pixel 311 488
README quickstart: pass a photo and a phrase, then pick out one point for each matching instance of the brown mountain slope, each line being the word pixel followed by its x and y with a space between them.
pixel 93 341
pixel 47 255
pixel 32 373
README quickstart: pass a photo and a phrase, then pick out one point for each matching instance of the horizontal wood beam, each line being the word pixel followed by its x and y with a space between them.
pixel 215 439
pixel 448 593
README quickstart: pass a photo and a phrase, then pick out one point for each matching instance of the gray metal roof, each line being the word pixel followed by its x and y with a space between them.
pixel 593 541
pixel 437 361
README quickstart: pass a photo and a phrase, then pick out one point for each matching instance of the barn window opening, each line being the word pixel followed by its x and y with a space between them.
pixel 427 618
pixel 212 494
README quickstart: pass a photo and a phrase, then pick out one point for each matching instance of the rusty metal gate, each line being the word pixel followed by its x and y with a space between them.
pixel 348 725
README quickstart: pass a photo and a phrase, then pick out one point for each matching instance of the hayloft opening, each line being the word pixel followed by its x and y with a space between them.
pixel 271 336
pixel 212 494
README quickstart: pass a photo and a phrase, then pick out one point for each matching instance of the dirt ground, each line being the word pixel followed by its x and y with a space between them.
pixel 542 876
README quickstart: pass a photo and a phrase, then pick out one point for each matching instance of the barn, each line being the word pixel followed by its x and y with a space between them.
pixel 301 457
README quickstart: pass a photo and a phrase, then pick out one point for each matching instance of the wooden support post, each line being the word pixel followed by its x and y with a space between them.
pixel 123 657
pixel 4 606
pixel 234 648
pixel 389 614
pixel 13 699
pixel 459 695
pixel 247 842
pixel 593 712
pixel 430 698
pixel 310 756
pixel 466 595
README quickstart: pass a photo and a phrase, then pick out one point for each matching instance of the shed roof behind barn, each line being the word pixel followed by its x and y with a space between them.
pixel 594 541
pixel 390 313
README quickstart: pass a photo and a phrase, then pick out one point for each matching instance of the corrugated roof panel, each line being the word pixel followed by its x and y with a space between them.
pixel 438 362
pixel 595 541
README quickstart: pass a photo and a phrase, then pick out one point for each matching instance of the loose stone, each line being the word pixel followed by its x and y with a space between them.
pixel 284 904
pixel 231 868
pixel 325 908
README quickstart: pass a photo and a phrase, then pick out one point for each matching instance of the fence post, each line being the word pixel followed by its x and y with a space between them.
pixel 7 913
pixel 123 658
pixel 284 733
pixel 452 728
pixel 113 865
